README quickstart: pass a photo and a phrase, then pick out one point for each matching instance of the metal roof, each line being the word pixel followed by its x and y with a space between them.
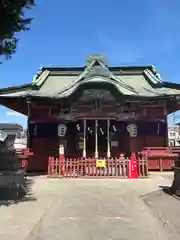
pixel 60 83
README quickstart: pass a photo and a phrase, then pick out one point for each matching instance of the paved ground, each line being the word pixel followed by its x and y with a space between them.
pixel 86 209
pixel 165 208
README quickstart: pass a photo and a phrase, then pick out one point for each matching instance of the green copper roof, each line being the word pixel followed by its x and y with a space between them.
pixel 63 82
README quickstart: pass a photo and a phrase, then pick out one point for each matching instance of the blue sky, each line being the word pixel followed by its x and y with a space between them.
pixel 66 32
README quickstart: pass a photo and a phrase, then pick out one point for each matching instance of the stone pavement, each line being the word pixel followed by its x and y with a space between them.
pixel 85 209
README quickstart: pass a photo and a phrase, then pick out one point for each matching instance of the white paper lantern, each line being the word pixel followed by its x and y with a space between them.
pixel 62 130
pixel 132 130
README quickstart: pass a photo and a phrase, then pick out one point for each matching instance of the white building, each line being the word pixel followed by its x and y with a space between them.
pixel 174 136
pixel 16 135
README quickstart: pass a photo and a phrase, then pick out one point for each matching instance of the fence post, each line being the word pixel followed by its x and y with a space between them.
pixel 49 166
pixel 161 164
pixel 146 165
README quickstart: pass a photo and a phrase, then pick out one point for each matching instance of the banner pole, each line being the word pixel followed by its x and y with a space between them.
pixel 96 138
pixel 84 140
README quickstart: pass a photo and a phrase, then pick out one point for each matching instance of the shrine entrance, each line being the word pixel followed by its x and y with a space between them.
pixel 100 138
pixel 103 138
pixel 90 138
pixel 96 138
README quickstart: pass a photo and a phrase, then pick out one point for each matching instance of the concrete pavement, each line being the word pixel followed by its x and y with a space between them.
pixel 85 209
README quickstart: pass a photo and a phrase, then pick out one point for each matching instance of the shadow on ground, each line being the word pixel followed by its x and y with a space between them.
pixel 23 194
pixel 166 189
pixel 36 174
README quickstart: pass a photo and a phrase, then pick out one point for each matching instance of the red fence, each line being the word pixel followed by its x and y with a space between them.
pixel 80 167
pixel 160 158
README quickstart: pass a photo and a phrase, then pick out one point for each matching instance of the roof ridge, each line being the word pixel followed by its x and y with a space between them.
pixel 112 67
pixel 153 78
pixel 41 78
pixel 89 68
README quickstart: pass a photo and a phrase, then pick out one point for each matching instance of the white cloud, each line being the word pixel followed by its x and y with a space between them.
pixel 13 113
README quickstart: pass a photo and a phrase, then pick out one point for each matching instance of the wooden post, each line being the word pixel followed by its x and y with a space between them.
pixel 108 140
pixel 84 140
pixel 96 138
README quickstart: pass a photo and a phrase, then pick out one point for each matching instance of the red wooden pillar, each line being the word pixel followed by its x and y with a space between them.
pixel 29 137
pixel 29 140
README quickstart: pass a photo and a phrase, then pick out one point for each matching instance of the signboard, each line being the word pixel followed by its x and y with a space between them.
pixel 63 116
pixel 61 150
pixel 126 116
pixel 97 94
pixel 80 145
pixel 101 163
pixel 114 143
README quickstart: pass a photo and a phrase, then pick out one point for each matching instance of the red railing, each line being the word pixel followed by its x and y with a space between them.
pixel 160 158
pixel 24 154
pixel 80 167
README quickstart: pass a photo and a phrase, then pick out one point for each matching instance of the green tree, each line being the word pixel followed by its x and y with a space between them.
pixel 12 21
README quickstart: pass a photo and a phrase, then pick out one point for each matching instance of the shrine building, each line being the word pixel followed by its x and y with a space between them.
pixel 95 111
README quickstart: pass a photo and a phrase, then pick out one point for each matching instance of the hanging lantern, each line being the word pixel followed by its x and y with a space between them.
pixel 132 130
pixel 62 130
